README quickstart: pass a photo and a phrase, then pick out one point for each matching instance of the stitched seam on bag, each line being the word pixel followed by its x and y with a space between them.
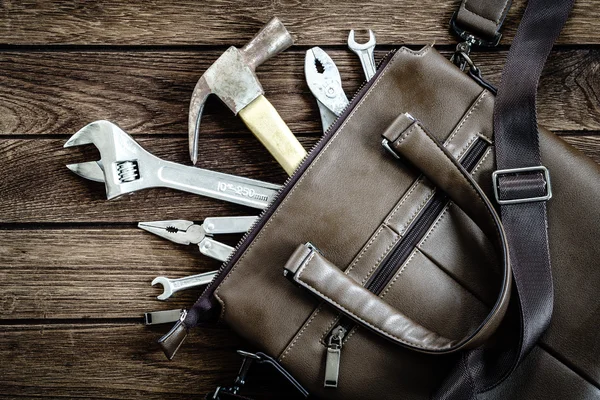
pixel 485 138
pixel 466 117
pixel 480 163
pixel 435 225
pixel 328 329
pixel 403 137
pixel 467 146
pixel 495 21
pixel 315 162
pixel 364 250
pixel 417 211
pixel 447 208
pixel 352 332
pixel 387 289
pixel 470 184
pixel 370 325
pixel 417 184
pixel 299 334
pixel 385 253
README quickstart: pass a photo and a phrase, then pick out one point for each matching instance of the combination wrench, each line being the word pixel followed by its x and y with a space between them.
pixel 365 53
pixel 171 286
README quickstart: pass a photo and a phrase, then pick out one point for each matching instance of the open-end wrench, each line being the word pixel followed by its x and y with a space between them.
pixel 365 53
pixel 171 286
pixel 125 167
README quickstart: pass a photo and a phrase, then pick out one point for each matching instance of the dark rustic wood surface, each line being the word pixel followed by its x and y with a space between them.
pixel 75 272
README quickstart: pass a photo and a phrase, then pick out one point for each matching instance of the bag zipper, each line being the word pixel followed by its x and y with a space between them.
pixel 334 352
pixel 398 256
pixel 420 226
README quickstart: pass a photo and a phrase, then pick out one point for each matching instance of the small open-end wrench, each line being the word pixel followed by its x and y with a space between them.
pixel 125 167
pixel 365 53
pixel 171 286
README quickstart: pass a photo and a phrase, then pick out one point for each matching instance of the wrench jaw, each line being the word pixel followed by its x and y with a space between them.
pixel 167 288
pixel 88 170
pixel 361 46
pixel 123 162
pixel 365 53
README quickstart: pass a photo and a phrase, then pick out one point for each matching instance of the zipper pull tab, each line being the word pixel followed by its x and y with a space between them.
pixel 172 341
pixel 332 360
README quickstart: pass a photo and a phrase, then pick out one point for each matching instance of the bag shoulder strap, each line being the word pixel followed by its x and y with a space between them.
pixel 522 187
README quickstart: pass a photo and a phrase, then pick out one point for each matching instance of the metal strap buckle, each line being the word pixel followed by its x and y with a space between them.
pixel 461 55
pixel 386 145
pixel 517 171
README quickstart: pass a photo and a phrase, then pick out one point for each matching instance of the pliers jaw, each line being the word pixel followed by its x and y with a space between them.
pixel 177 230
pixel 324 81
pixel 319 68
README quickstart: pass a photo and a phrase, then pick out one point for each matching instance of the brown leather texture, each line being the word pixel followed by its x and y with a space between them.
pixel 330 284
pixel 412 143
pixel 482 17
pixel 356 201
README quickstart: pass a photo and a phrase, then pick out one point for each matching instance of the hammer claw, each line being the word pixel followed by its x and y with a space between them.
pixel 232 78
pixel 199 96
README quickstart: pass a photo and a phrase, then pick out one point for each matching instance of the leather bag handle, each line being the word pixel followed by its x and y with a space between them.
pixel 311 270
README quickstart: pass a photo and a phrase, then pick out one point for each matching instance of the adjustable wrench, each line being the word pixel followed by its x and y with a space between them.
pixel 365 53
pixel 125 167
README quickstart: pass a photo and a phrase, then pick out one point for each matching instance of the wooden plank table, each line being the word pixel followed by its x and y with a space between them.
pixel 75 271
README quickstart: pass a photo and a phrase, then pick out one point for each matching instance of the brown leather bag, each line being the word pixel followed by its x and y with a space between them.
pixel 383 261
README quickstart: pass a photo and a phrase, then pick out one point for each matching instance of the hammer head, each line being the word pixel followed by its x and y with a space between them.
pixel 233 78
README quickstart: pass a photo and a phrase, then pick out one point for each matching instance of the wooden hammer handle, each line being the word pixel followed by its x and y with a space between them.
pixel 266 124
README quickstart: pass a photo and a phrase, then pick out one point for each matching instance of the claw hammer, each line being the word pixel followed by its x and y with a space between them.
pixel 233 79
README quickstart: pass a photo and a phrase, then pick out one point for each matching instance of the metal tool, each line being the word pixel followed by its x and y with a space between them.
pixel 233 79
pixel 187 232
pixel 323 79
pixel 163 317
pixel 365 53
pixel 125 167
pixel 171 286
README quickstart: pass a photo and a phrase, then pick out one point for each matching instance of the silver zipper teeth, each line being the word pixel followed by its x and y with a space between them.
pixel 312 150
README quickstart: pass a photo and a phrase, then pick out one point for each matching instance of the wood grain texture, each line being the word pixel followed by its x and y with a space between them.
pixel 92 273
pixel 75 272
pixel 227 22
pixel 121 361
pixel 149 92
pixel 35 180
